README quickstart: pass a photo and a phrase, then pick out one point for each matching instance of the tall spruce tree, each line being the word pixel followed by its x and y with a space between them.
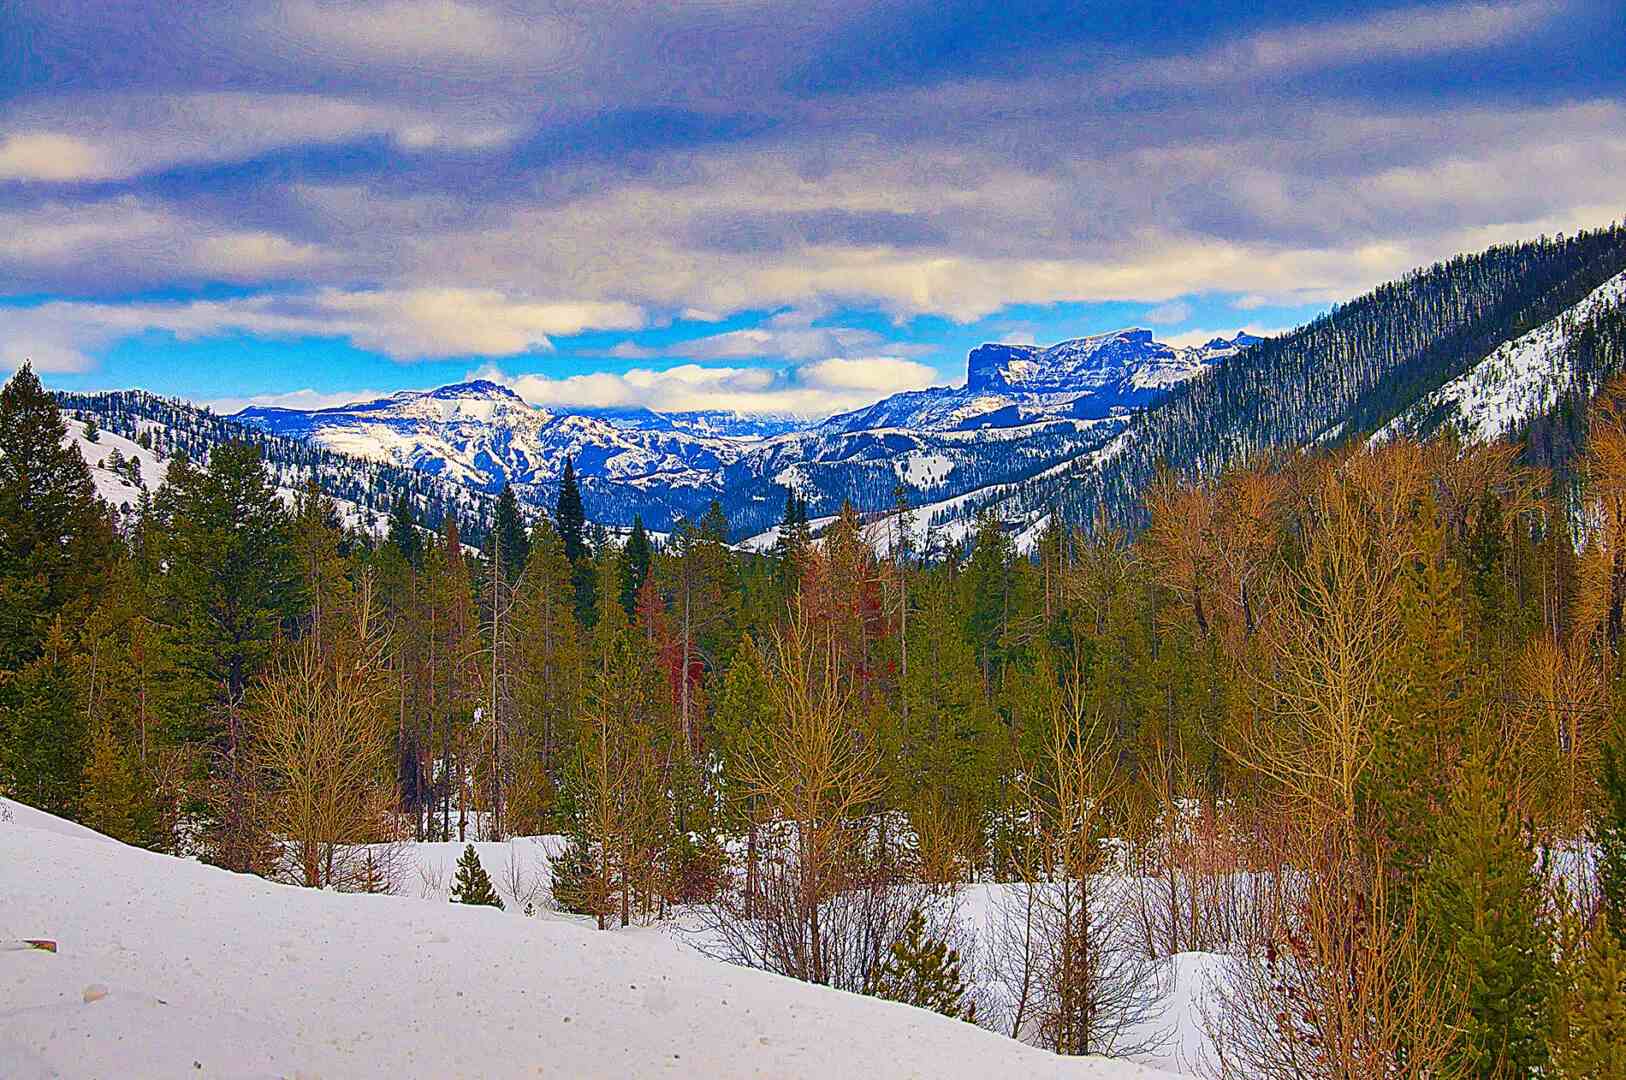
pixel 570 517
pixel 1609 835
pixel 56 538
pixel 508 528
pixel 404 532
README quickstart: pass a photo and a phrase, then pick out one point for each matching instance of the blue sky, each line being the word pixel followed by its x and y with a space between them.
pixel 754 204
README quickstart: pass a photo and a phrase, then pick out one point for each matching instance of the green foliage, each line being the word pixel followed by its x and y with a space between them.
pixel 1482 902
pixel 115 797
pixel 635 562
pixel 233 581
pixel 472 885
pixel 923 972
pixel 44 731
pixel 1609 835
pixel 55 536
pixel 1589 1021
pixel 508 533
pixel 1429 705
pixel 404 533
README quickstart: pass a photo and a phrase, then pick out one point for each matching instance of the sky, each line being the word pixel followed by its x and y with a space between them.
pixel 760 205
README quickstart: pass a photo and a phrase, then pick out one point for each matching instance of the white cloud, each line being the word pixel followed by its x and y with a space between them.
pixel 48 155
pixel 446 34
pixel 403 324
pixel 294 399
pixel 1203 337
pixel 1406 33
pixel 1175 311
pixel 115 136
pixel 785 336
pixel 813 389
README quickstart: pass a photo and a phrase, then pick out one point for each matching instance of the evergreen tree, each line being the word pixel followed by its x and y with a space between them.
pixel 636 558
pixel 92 432
pixel 43 730
pixel 991 579
pixel 923 972
pixel 1482 902
pixel 404 532
pixel 509 530
pixel 56 538
pixel 233 582
pixel 1589 1022
pixel 569 516
pixel 113 792
pixel 1429 690
pixel 472 885
pixel 1609 836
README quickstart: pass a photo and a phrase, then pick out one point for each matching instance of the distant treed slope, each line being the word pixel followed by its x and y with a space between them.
pixel 1341 376
pixel 172 426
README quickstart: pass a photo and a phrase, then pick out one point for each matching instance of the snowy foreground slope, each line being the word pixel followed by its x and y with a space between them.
pixel 169 968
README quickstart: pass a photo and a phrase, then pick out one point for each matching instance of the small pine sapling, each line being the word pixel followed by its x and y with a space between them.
pixel 472 884
pixel 924 972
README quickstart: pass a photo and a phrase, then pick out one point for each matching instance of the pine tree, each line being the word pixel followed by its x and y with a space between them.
pixel 1482 902
pixel 43 730
pixel 1429 707
pixel 569 516
pixel 112 799
pixel 923 972
pixel 1589 1022
pixel 635 563
pixel 1609 836
pixel 472 885
pixel 92 432
pixel 56 538
pixel 509 530
pixel 404 533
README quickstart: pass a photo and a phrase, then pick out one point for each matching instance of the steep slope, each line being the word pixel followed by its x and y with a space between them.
pixel 1343 376
pixel 1519 380
pixel 166 967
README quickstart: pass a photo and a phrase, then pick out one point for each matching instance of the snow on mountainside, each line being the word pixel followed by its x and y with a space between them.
pixel 1519 379
pixel 1022 410
pixel 122 469
pixel 1011 385
pixel 484 435
pixel 166 967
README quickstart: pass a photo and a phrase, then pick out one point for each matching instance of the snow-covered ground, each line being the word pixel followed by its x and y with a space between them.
pixel 166 968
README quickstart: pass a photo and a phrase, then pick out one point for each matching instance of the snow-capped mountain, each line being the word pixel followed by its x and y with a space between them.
pixel 1021 410
pixel 484 435
pixel 1011 385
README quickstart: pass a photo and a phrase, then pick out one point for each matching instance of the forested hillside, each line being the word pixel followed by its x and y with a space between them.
pixel 1348 373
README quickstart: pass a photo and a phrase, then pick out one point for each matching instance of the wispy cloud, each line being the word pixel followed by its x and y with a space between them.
pixel 812 389
pixel 402 324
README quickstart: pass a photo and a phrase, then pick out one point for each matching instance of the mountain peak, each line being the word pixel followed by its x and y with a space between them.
pixel 1085 363
pixel 473 388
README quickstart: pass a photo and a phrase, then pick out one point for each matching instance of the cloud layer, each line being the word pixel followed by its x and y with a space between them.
pixel 481 178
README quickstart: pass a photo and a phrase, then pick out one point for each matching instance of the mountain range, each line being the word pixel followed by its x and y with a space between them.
pixel 1506 343
pixel 1021 409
